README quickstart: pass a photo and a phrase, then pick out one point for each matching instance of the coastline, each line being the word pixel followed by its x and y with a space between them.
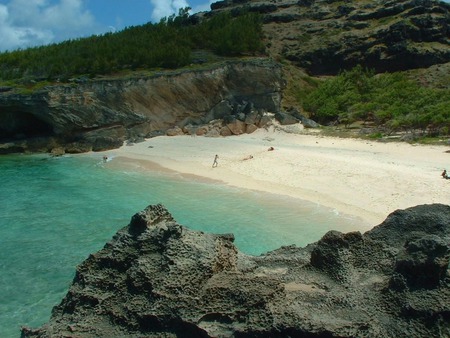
pixel 364 179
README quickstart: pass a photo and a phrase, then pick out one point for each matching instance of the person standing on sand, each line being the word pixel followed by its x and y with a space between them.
pixel 215 163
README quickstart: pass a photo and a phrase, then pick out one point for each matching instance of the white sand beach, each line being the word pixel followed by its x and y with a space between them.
pixel 366 179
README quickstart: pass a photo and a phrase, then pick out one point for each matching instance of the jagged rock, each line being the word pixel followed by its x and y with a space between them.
pixel 285 118
pixel 175 131
pixel 225 131
pixel 253 117
pixel 250 128
pixel 297 128
pixel 213 132
pixel 264 121
pixel 236 126
pixel 190 129
pixel 306 122
pixel 222 109
pixel 156 278
pixel 424 262
pixel 201 131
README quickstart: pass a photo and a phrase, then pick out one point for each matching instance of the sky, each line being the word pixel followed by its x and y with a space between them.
pixel 27 23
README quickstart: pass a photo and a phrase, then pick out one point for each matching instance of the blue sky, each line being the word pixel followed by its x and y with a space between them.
pixel 25 23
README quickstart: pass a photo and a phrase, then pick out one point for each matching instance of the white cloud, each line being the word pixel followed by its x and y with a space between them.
pixel 165 8
pixel 11 36
pixel 25 23
pixel 203 7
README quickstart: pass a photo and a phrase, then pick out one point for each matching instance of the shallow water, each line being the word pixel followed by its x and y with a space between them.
pixel 55 211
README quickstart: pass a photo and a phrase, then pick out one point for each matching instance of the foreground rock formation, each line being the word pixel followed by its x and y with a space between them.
pixel 101 114
pixel 157 278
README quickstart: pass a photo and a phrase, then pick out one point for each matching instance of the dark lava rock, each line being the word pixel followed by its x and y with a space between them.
pixel 156 278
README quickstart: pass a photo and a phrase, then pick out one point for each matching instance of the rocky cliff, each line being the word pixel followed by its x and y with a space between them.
pixel 319 36
pixel 326 36
pixel 100 114
pixel 157 278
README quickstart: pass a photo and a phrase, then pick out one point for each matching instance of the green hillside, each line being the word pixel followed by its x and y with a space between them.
pixel 168 44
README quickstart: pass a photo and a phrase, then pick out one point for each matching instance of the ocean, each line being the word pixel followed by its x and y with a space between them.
pixel 55 211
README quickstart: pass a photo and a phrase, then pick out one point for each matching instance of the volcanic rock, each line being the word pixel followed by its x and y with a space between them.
pixel 157 278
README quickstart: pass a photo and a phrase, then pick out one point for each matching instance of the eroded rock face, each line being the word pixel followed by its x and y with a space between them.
pixel 101 114
pixel 157 278
pixel 326 36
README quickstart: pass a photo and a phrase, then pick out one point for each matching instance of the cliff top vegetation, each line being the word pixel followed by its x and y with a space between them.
pixel 168 44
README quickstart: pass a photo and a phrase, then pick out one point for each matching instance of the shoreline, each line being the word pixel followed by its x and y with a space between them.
pixel 359 178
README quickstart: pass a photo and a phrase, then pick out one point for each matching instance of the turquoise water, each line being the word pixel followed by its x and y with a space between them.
pixel 55 211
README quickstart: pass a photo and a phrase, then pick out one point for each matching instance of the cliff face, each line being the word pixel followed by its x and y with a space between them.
pixel 319 36
pixel 157 278
pixel 101 114
pixel 325 36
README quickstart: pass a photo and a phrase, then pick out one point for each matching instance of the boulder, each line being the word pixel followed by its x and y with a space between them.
pixel 237 127
pixel 265 121
pixel 225 131
pixel 189 129
pixel 175 131
pixel 213 132
pixel 201 131
pixel 285 118
pixel 252 117
pixel 251 128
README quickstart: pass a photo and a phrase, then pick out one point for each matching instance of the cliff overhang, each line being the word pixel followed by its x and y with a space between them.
pixel 101 114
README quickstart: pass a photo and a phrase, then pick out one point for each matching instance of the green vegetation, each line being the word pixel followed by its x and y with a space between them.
pixel 391 102
pixel 167 44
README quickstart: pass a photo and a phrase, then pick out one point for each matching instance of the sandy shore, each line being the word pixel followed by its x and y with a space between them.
pixel 366 179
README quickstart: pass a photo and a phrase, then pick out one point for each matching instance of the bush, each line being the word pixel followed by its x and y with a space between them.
pixel 389 100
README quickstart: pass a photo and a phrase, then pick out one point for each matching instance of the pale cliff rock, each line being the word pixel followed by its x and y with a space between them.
pixel 102 113
pixel 156 278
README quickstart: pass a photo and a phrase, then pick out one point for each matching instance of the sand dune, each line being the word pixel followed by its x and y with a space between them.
pixel 367 179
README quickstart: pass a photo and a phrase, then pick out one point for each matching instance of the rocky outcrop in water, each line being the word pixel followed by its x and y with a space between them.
pixel 100 114
pixel 326 36
pixel 157 278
